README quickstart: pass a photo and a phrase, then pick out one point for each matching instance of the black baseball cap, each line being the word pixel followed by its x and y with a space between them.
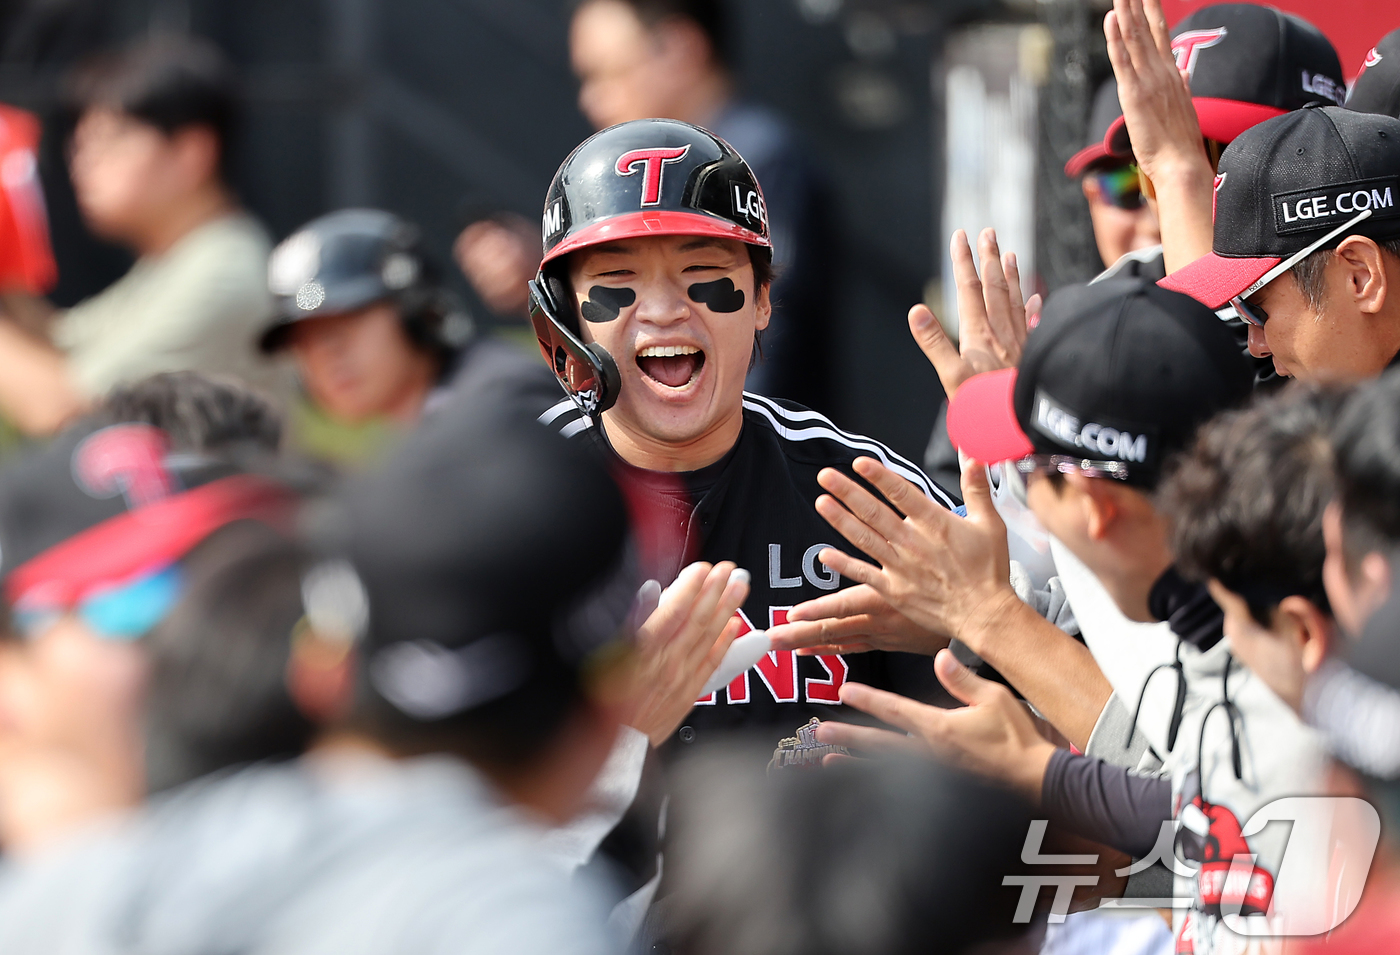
pixel 1102 115
pixel 104 502
pixel 1377 86
pixel 1289 186
pixel 1248 63
pixel 495 561
pixel 1118 371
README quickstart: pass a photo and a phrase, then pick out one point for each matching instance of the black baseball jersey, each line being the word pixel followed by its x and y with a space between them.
pixel 756 507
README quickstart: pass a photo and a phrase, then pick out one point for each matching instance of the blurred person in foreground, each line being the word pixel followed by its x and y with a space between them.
pixel 376 338
pixel 479 704
pixel 94 531
pixel 148 160
pixel 912 861
pixel 674 59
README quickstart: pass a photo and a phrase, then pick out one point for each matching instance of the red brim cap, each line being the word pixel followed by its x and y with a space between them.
pixel 982 418
pixel 147 537
pixel 1220 119
pixel 640 224
pixel 1081 160
pixel 1214 279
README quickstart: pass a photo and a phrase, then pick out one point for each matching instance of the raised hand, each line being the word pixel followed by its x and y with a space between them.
pixel 992 317
pixel 994 736
pixel 1166 135
pixel 682 642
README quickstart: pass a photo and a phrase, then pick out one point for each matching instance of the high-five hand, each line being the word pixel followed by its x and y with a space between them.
pixel 940 571
pixel 993 736
pixel 992 318
pixel 682 642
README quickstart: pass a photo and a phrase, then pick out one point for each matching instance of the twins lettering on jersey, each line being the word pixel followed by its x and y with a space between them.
pixel 777 674
pixel 1315 208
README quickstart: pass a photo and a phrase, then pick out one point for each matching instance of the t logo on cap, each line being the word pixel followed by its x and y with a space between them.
pixel 1188 46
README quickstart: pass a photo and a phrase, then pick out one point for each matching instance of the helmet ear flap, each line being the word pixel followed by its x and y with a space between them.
pixel 556 283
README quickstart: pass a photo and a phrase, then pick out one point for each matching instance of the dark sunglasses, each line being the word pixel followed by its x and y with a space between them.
pixel 1255 315
pixel 1121 187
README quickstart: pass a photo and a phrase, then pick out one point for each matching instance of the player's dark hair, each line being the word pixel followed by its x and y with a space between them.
pixel 1309 272
pixel 168 80
pixel 1366 444
pixel 199 413
pixel 708 15
pixel 218 694
pixel 1245 502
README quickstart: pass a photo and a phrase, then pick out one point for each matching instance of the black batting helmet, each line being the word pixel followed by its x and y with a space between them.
pixel 652 177
pixel 649 177
pixel 351 258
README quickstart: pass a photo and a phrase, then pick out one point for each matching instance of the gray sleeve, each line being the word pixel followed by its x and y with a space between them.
pixel 1115 739
pixel 1359 717
pixel 1105 803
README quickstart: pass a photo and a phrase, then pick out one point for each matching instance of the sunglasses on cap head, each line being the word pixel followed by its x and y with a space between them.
pixel 1255 315
pixel 587 372
pixel 1016 475
pixel 123 611
pixel 1121 187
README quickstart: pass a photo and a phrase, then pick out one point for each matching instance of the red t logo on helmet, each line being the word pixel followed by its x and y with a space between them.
pixel 652 162
pixel 1188 46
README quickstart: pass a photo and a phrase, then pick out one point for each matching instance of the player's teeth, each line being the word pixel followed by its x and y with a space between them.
pixel 668 351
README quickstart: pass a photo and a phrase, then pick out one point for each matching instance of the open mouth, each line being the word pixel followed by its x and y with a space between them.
pixel 674 366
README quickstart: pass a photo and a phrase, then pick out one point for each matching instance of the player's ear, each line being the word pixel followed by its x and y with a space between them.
pixel 1363 268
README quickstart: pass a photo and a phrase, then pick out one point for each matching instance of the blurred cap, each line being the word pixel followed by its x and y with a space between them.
pixel 493 556
pixel 101 504
pixel 1248 63
pixel 1105 110
pixel 1120 370
pixel 1377 87
pixel 340 262
pixel 1288 182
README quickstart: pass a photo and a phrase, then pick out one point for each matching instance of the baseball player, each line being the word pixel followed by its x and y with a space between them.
pixel 373 332
pixel 652 294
